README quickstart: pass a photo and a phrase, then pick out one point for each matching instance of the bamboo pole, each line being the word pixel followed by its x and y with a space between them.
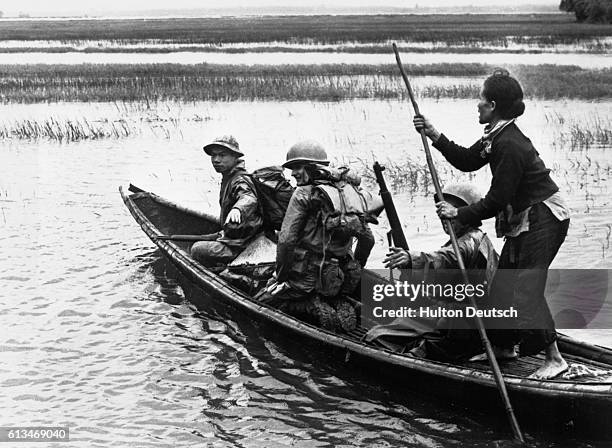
pixel 479 324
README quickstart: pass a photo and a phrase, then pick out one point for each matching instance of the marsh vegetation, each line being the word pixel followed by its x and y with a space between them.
pixel 212 82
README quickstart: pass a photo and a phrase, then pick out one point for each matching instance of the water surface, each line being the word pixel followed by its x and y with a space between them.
pixel 99 334
pixel 305 58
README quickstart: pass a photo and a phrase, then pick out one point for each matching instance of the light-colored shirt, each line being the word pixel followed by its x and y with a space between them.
pixel 520 222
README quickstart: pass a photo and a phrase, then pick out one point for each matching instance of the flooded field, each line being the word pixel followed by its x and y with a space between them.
pixel 98 332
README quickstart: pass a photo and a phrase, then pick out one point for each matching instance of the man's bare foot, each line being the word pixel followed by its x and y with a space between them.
pixel 554 364
pixel 501 354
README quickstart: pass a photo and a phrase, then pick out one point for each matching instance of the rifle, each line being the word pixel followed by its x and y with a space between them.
pixel 396 232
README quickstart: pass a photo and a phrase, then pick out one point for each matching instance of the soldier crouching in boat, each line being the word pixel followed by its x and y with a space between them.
pixel 240 215
pixel 453 339
pixel 315 267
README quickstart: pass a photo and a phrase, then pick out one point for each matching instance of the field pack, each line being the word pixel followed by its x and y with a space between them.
pixel 344 213
pixel 274 192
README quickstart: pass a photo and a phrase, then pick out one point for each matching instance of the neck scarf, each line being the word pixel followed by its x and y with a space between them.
pixel 490 132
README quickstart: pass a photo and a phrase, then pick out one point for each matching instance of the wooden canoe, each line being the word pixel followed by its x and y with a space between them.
pixel 583 403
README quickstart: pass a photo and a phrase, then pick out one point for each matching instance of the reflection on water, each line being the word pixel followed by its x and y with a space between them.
pixel 306 58
pixel 98 334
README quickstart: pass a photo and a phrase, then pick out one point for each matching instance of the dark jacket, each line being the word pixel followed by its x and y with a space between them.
pixel 520 178
pixel 238 191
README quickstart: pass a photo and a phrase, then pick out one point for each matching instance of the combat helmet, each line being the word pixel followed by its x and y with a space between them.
pixel 465 192
pixel 307 151
pixel 228 142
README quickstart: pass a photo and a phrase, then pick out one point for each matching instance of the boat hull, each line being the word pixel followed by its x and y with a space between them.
pixel 579 406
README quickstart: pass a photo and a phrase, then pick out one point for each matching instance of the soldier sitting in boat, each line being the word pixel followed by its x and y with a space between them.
pixel 315 267
pixel 454 339
pixel 240 215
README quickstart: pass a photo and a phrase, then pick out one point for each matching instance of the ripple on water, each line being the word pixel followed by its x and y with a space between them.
pixel 105 341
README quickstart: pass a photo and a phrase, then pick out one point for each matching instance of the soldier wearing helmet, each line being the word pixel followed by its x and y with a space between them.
pixel 240 215
pixel 470 239
pixel 454 340
pixel 315 267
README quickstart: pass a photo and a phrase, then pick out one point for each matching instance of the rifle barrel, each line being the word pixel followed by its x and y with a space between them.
pixel 399 239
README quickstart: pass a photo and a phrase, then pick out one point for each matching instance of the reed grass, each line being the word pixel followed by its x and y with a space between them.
pixel 102 71
pixel 205 82
pixel 65 130
pixel 595 133
pixel 404 175
pixel 576 135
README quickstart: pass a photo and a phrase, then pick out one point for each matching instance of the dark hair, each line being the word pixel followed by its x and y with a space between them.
pixel 506 92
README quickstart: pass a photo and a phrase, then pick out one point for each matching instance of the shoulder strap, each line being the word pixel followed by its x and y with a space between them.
pixel 472 263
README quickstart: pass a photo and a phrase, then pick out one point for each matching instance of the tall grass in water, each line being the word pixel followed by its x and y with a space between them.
pixel 577 135
pixel 153 82
pixel 65 130
pixel 403 175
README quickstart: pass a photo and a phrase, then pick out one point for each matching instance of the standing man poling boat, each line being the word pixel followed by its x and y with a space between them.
pixel 530 214
pixel 240 215
pixel 315 267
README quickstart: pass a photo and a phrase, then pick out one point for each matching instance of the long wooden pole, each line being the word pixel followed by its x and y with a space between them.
pixel 479 324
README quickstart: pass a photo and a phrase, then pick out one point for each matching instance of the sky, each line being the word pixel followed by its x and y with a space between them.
pixel 35 7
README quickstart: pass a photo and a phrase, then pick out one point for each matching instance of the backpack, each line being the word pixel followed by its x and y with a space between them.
pixel 344 213
pixel 273 192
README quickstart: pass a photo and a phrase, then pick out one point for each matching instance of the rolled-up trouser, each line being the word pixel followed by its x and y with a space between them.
pixel 211 253
pixel 520 282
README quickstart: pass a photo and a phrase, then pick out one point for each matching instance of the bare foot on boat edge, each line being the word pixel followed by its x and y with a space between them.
pixel 550 370
pixel 501 354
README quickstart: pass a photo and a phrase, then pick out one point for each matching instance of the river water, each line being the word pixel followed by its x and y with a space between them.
pixel 307 58
pixel 98 333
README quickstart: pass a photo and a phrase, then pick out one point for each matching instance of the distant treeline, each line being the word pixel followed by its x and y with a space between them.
pixel 592 11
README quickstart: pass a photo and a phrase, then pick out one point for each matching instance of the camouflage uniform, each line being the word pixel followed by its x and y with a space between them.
pixel 237 191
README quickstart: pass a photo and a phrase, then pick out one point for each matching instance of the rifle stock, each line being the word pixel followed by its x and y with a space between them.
pixel 399 239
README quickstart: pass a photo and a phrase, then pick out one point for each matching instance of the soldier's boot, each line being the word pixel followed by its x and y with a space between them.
pixel 325 314
pixel 346 315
